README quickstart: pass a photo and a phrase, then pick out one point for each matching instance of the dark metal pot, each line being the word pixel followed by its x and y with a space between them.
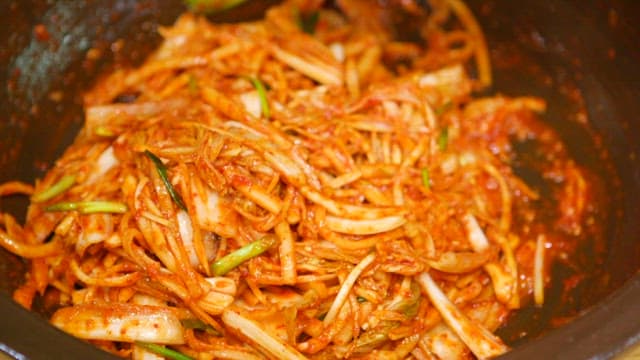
pixel 583 56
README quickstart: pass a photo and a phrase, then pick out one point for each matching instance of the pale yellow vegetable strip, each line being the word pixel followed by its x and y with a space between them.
pixel 348 210
pixel 234 355
pixel 344 179
pixel 480 341
pixel 345 288
pixel 459 262
pixel 364 227
pixel 119 281
pixel 476 236
pixel 538 271
pixel 215 302
pixel 352 78
pixel 512 267
pixel 30 251
pixel 505 195
pixel 120 322
pixel 223 285
pixel 157 66
pixel 256 335
pixel 503 281
pixel 481 53
pixel 322 74
pixel 258 195
pixel 287 252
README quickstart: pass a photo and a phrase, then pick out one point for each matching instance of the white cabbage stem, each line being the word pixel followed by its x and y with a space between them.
pixel 476 236
pixel 364 227
pixel 120 322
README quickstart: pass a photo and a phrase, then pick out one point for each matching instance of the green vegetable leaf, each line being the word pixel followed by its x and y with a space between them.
pixel 307 22
pixel 58 188
pixel 211 6
pixel 247 252
pixel 162 172
pixel 163 351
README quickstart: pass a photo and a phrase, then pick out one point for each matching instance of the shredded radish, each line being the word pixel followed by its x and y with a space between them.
pixel 538 271
pixel 480 341
pixel 476 236
pixel 364 227
pixel 346 287
pixel 337 49
pixel 207 209
pixel 185 228
pixel 253 333
pixel 106 161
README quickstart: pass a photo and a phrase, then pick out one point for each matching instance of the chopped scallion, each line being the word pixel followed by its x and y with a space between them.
pixel 89 207
pixel 211 6
pixel 361 299
pixel 307 21
pixel 262 94
pixel 193 84
pixel 443 139
pixel 444 108
pixel 249 251
pixel 162 172
pixel 426 179
pixel 192 323
pixel 163 351
pixel 58 188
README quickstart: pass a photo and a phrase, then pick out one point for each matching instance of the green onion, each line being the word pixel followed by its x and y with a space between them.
pixel 426 179
pixel 307 21
pixel 162 172
pixel 412 310
pixel 58 188
pixel 163 351
pixel 361 299
pixel 249 251
pixel 192 323
pixel 262 93
pixel 211 6
pixel 193 84
pixel 372 338
pixel 104 131
pixel 89 207
pixel 444 108
pixel 443 139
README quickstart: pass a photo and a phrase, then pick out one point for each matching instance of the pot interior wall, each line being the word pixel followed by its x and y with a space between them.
pixel 579 55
